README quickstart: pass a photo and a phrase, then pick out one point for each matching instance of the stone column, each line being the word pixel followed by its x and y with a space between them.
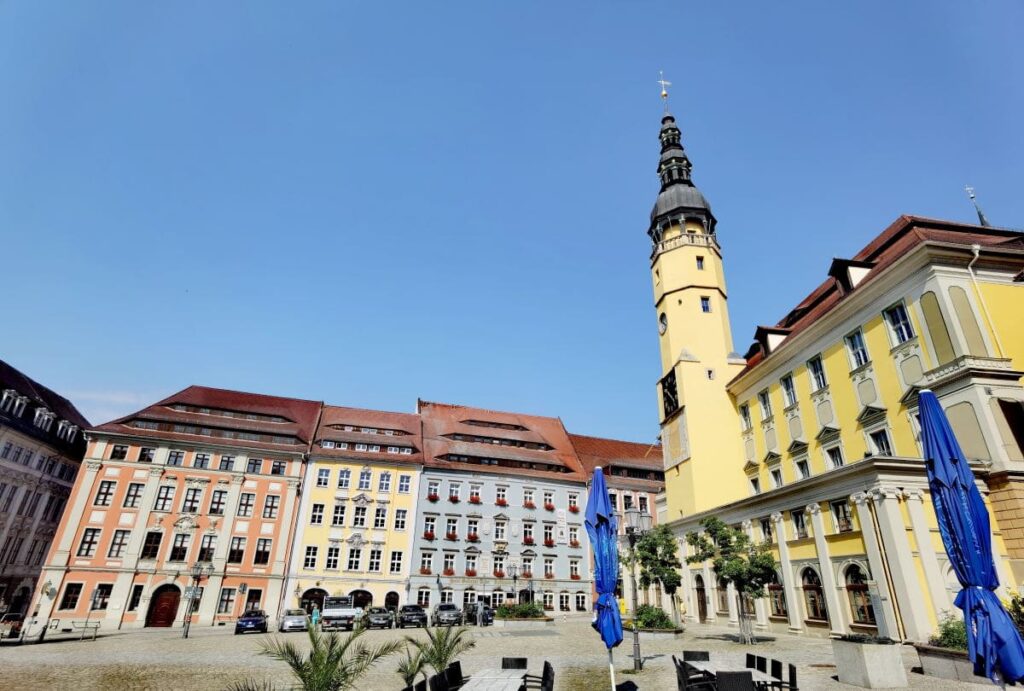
pixel 912 606
pixel 689 595
pixel 875 562
pixel 792 603
pixel 75 512
pixel 926 552
pixel 710 593
pixel 761 603
pixel 836 609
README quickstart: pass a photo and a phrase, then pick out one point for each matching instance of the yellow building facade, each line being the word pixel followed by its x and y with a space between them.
pixel 355 524
pixel 811 440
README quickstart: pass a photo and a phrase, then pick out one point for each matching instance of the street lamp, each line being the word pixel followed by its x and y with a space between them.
pixel 638 524
pixel 513 571
pixel 198 573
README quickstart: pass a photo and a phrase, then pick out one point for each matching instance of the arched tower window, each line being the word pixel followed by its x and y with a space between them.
pixel 857 592
pixel 814 596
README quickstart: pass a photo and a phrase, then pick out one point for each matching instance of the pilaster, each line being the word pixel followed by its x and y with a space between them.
pixel 788 585
pixel 875 562
pixel 926 553
pixel 836 610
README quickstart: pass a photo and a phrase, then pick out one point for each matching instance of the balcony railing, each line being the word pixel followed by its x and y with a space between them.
pixel 686 239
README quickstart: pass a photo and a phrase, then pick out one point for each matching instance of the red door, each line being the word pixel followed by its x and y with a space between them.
pixel 163 607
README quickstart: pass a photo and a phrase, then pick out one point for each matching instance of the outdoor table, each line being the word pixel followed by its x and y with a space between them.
pixel 495 680
pixel 714 667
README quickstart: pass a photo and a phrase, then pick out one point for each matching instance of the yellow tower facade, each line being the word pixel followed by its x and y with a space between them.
pixel 699 427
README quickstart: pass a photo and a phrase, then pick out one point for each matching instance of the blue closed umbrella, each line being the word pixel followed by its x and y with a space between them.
pixel 603 532
pixel 993 643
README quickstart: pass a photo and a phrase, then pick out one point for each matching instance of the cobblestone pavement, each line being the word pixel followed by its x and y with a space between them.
pixel 213 658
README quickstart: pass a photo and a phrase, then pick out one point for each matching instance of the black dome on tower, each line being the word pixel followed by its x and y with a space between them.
pixel 679 200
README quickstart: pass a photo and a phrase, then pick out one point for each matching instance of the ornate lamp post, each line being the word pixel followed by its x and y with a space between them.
pixel 513 571
pixel 638 524
pixel 198 573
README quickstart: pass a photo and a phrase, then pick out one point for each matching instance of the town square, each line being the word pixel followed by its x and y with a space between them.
pixel 511 347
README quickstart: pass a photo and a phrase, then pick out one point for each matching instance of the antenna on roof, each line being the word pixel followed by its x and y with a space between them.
pixel 981 215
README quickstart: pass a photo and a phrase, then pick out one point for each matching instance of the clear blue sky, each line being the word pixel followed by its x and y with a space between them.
pixel 369 202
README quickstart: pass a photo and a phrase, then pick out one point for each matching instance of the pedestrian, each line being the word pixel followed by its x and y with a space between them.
pixel 315 616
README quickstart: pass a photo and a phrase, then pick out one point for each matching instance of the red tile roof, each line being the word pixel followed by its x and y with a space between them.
pixel 339 416
pixel 614 455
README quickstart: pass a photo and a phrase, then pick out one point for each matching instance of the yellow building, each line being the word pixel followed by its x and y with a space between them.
pixel 354 527
pixel 811 440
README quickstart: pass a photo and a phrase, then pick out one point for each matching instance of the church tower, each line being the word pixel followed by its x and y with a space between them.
pixel 700 430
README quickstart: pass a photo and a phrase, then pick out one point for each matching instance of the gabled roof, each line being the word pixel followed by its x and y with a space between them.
pixel 334 418
pixel 43 397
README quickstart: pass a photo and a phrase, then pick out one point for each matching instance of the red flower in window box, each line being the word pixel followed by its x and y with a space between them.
pixel 499 574
pixel 473 537
pixel 549 543
pixel 451 536
pixel 428 534
pixel 453 498
pixel 424 571
pixel 449 572
pixel 527 574
pixel 575 577
pixel 501 502
pixel 549 607
pixel 549 575
pixel 528 540
pixel 549 506
pixel 474 499
pixel 433 497
pixel 574 509
pixel 529 505
pixel 574 543
pixel 471 573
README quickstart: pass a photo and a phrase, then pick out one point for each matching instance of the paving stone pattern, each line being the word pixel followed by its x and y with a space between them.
pixel 213 658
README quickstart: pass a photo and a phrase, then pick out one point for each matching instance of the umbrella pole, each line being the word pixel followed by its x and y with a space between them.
pixel 611 668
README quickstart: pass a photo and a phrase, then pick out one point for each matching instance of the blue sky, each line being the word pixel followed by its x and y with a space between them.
pixel 370 202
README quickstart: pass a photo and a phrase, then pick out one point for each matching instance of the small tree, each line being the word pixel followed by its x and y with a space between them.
pixel 737 559
pixel 657 557
pixel 443 645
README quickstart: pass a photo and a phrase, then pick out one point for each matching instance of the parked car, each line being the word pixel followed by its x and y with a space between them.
pixel 379 617
pixel 411 615
pixel 10 625
pixel 293 620
pixel 477 612
pixel 446 614
pixel 253 620
pixel 340 612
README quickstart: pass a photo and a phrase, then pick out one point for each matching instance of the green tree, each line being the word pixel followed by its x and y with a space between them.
pixel 657 555
pixel 737 559
pixel 443 645
pixel 332 663
pixel 411 665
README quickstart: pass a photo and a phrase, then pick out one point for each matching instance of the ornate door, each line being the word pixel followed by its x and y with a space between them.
pixel 163 607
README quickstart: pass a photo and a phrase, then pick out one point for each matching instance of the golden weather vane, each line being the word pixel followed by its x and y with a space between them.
pixel 664 88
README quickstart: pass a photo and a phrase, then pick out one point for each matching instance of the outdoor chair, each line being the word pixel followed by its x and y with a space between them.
pixel 696 656
pixel 685 681
pixel 513 663
pixel 789 684
pixel 761 664
pixel 735 681
pixel 545 681
pixel 454 675
pixel 438 682
pixel 750 661
pixel 776 669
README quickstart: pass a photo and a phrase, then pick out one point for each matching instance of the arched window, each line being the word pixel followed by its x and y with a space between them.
pixel 777 597
pixel 857 591
pixel 723 595
pixel 814 597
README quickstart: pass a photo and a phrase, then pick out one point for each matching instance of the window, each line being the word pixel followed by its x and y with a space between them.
pixel 449 562
pixel 549 499
pixel 105 494
pixel 365 478
pixel 527 533
pixel 254 465
pixel 858 351
pixel 373 565
pixel 499 563
pixel 344 476
pixel 574 501
pixel 454 491
pixel 361 447
pixel 396 562
pixel 207 546
pixel 309 560
pixel 723 595
pixel 834 456
pixel 179 548
pixel 333 554
pixel 316 516
pixel 404 483
pixel 133 495
pixel 271 504
pixel 814 598
pixel 146 455
pixel 202 460
pixel 191 502
pixel 860 601
pixel 237 551
pixel 355 555
pixel 262 554
pixel 765 402
pixel 549 533
pixel 164 497
pixel 700 263
pixel 423 597
pixel 777 598
pixel 359 519
pixel 135 598
pixel 500 494
pixel 176 458
pixel 755 485
pixel 574 535
pixel 227 462
pixel 745 417
pixel 799 523
pixel 452 527
pixel 766 530
pixel 574 568
pixel 380 517
pixel 118 543
pixel 426 562
pixel 277 467
pixel 384 483
pixel 245 503
pixel 429 524
pixel 323 477
pixel 803 470
pixel 151 545
pixel 226 603
pixel 72 591
pixel 817 370
pixel 880 444
pixel 841 516
pixel 338 519
pixel 119 452
pixel 705 304
pixel 613 499
pixel 499 530
pixel 788 390
pixel 776 475
pixel 899 323
pixel 393 449
pixel 217 502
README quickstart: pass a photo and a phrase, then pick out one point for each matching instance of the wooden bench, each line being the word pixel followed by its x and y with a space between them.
pixel 85 627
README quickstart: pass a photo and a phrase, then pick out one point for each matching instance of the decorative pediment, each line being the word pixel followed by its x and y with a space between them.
pixel 772 457
pixel 474 514
pixel 472 550
pixel 361 500
pixel 529 553
pixel 827 432
pixel 796 447
pixel 869 414
pixel 356 539
pixel 909 399
pixel 185 523
pixel 501 517
pixel 750 466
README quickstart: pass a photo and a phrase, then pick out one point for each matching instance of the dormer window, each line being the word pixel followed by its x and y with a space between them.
pixel 19 406
pixel 43 419
pixel 8 400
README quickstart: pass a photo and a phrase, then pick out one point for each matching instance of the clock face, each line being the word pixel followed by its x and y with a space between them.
pixel 662 323
pixel 669 393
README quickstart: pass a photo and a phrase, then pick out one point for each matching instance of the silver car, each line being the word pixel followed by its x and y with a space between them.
pixel 293 620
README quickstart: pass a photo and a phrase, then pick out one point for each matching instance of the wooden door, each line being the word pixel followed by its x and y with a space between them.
pixel 163 607
pixel 702 600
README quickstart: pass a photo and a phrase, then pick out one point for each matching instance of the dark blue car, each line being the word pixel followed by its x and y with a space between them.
pixel 253 620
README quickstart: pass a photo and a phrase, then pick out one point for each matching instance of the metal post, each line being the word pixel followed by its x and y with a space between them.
pixel 188 612
pixel 637 660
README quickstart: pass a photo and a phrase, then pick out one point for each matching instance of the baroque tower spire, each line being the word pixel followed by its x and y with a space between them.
pixel 679 199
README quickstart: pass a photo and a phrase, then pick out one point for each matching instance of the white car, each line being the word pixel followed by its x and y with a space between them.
pixel 293 620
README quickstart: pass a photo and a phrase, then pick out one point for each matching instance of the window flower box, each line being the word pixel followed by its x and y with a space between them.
pixel 575 577
pixel 425 571
pixel 574 509
pixel 473 537
pixel 574 543
pixel 499 574
pixel 528 540
pixel 449 572
pixel 549 608
pixel 501 502
pixel 451 536
pixel 529 505
pixel 433 497
pixel 471 573
pixel 549 575
pixel 549 507
pixel 549 543
pixel 428 535
pixel 453 499
pixel 527 574
pixel 474 499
